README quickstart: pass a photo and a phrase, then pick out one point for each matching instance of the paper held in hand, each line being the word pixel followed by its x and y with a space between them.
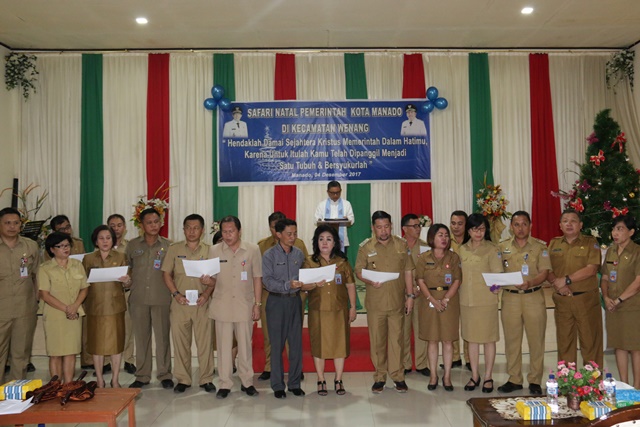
pixel 503 279
pixel 198 268
pixel 379 276
pixel 79 257
pixel 108 274
pixel 313 275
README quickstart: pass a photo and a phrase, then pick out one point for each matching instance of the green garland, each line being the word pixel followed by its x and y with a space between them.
pixel 21 71
pixel 619 68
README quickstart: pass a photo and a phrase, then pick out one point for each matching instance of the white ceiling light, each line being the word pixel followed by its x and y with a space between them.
pixel 527 10
pixel 141 20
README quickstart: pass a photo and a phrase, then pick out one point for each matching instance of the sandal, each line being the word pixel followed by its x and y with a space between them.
pixel 472 384
pixel 322 388
pixel 340 391
pixel 487 389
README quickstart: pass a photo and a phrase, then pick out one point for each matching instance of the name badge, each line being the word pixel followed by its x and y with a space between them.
pixel 447 279
pixel 24 272
pixel 338 279
pixel 613 276
pixel 243 275
pixel 156 264
pixel 525 270
pixel 373 254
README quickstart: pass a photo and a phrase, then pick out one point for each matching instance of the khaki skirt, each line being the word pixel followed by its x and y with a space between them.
pixel 329 332
pixel 480 324
pixel 434 326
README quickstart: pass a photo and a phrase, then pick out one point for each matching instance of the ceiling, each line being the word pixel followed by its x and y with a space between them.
pixel 318 24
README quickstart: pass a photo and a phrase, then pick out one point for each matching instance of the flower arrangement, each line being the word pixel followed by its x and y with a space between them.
pixel 215 227
pixel 619 68
pixel 425 221
pixel 159 202
pixel 585 382
pixel 491 201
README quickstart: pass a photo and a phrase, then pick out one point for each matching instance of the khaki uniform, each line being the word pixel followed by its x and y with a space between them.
pixel 188 318
pixel 524 311
pixel 412 322
pixel 18 267
pixel 455 247
pixel 386 305
pixel 127 354
pixel 232 306
pixel 264 245
pixel 149 303
pixel 621 270
pixel 580 315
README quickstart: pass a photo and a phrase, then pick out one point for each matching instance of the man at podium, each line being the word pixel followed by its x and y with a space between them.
pixel 336 211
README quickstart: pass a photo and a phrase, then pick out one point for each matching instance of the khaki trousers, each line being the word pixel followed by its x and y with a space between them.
pixel 148 318
pixel 386 341
pixel 127 355
pixel 16 336
pixel 188 322
pixel 224 337
pixel 420 346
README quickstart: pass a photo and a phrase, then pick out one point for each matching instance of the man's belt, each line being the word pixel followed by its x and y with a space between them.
pixel 439 288
pixel 572 294
pixel 521 291
pixel 275 294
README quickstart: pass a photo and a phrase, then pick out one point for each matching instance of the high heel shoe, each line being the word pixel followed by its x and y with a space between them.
pixel 433 386
pixel 340 391
pixel 447 387
pixel 322 388
pixel 474 384
pixel 487 389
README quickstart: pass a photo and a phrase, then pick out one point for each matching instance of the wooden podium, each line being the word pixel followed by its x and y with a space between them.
pixel 335 223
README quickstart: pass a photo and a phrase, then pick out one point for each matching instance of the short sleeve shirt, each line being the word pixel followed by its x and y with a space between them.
pixel 62 283
pixel 333 296
pixel 626 267
pixel 567 258
pixel 172 263
pixel 438 273
pixel 145 262
pixel 531 259
pixel 269 242
pixel 18 267
pixel 486 258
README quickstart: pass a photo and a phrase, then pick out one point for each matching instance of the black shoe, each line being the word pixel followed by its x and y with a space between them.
pixel 138 384
pixel 88 367
pixel 302 376
pixel 208 387
pixel 447 387
pixel 181 388
pixel 508 387
pixel 167 383
pixel 251 390
pixel 129 368
pixel 407 371
pixel 297 391
pixel 30 367
pixel 7 368
pixel 401 386
pixel 264 376
pixel 487 389
pixel 106 368
pixel 424 371
pixel 235 369
pixel 535 389
pixel 433 386
pixel 472 384
pixel 280 394
pixel 223 393
pixel 467 365
pixel 378 387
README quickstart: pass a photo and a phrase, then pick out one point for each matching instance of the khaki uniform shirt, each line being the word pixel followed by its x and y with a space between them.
pixel 173 264
pixel 234 297
pixel 393 258
pixel 269 242
pixel 534 255
pixel 626 267
pixel 455 246
pixel 145 262
pixel 485 259
pixel 415 253
pixel 333 296
pixel 567 258
pixel 104 298
pixel 18 267
pixel 62 283
pixel 122 247
pixel 438 272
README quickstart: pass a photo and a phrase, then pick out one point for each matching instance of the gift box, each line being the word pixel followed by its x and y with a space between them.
pixel 17 389
pixel 593 410
pixel 533 410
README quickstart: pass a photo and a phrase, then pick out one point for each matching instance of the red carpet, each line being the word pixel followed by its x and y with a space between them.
pixel 358 360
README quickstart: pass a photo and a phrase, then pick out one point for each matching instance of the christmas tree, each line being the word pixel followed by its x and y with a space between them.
pixel 608 184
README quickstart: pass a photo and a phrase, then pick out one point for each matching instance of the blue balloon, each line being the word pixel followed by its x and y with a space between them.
pixel 441 103
pixel 210 104
pixel 427 107
pixel 217 92
pixel 432 93
pixel 225 104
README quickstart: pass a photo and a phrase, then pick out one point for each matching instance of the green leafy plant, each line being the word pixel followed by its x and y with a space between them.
pixel 620 68
pixel 21 71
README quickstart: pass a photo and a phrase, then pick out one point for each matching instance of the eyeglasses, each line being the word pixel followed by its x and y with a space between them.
pixel 64 229
pixel 416 226
pixel 62 246
pixel 480 229
pixel 335 193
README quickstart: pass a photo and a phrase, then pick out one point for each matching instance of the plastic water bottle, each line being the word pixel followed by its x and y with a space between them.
pixel 610 389
pixel 552 393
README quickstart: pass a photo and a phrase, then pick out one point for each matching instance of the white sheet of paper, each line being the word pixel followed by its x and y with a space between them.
pixel 79 257
pixel 109 274
pixel 312 275
pixel 197 268
pixel 8 407
pixel 424 249
pixel 503 279
pixel 379 276
pixel 192 297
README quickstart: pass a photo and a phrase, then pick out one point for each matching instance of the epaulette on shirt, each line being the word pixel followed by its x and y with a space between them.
pixel 506 239
pixel 540 241
pixel 401 238
pixel 364 242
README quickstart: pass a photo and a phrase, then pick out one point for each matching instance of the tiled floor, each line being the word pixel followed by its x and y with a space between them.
pixel 359 407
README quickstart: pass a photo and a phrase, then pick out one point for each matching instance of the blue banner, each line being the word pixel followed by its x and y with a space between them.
pixel 297 141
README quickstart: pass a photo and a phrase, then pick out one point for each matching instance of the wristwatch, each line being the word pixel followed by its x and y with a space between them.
pixel 411 296
pixel 175 294
pixel 567 280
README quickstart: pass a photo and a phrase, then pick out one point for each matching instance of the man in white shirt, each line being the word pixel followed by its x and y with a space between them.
pixel 413 126
pixel 235 128
pixel 336 208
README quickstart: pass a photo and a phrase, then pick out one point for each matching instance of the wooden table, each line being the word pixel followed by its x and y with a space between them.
pixel 105 407
pixel 484 415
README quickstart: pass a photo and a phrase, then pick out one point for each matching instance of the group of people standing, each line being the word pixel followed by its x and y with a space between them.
pixel 439 291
